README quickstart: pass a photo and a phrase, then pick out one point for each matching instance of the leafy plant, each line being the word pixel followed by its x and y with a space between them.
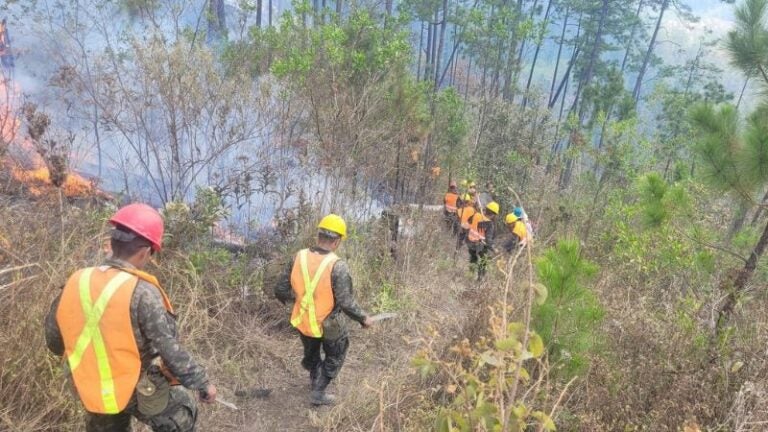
pixel 568 320
pixel 489 384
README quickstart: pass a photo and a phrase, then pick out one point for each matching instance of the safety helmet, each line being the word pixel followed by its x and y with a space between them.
pixel 518 211
pixel 510 219
pixel 142 220
pixel 466 197
pixel 471 185
pixel 493 207
pixel 335 224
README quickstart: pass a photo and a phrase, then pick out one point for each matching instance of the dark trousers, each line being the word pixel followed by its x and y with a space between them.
pixel 478 258
pixel 511 244
pixel 461 237
pixel 179 416
pixel 451 222
pixel 335 351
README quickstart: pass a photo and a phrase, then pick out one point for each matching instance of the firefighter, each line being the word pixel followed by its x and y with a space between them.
pixel 319 286
pixel 518 233
pixel 451 206
pixel 464 214
pixel 480 237
pixel 116 328
pixel 520 213
pixel 488 195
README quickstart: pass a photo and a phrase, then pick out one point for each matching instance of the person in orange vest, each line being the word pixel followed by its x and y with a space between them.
pixel 518 231
pixel 480 237
pixel 116 328
pixel 318 285
pixel 451 206
pixel 464 215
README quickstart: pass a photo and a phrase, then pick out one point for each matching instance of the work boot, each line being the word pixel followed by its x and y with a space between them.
pixel 318 396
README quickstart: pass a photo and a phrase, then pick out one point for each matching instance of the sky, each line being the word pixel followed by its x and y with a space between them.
pixel 715 17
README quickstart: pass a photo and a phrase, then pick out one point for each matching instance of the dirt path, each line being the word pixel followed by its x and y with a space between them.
pixel 433 296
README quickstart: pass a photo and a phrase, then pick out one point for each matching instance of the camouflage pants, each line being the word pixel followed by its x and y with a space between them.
pixel 478 258
pixel 179 416
pixel 335 352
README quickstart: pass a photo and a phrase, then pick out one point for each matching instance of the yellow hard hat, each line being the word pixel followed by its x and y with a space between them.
pixel 466 197
pixel 493 206
pixel 472 184
pixel 510 218
pixel 335 224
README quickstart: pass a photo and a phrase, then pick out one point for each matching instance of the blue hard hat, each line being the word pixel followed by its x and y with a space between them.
pixel 518 211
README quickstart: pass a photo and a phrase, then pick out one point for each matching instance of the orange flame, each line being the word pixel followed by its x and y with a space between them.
pixel 33 174
pixel 38 182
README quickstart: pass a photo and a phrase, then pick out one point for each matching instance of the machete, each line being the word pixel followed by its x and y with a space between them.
pixel 383 316
pixel 229 405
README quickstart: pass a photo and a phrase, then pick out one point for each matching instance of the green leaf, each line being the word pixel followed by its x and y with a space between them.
pixel 488 358
pixel 443 423
pixel 507 344
pixel 545 421
pixel 536 345
pixel 540 292
pixel 520 411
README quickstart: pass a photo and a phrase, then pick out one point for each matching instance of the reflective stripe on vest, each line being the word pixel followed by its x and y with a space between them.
pixel 475 233
pixel 305 313
pixel 99 345
pixel 450 202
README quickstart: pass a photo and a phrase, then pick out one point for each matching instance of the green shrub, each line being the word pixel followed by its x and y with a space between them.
pixel 569 318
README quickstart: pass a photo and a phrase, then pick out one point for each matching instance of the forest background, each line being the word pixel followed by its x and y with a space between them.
pixel 632 131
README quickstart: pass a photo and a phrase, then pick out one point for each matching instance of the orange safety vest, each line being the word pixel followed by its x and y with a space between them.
pixel 450 201
pixel 477 234
pixel 465 214
pixel 311 283
pixel 94 318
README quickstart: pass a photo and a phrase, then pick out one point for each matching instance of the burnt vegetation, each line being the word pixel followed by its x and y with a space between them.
pixel 639 304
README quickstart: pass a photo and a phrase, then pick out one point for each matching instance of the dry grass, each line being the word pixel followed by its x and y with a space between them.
pixel 650 373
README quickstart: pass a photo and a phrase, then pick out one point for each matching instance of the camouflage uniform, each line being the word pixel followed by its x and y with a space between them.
pixel 335 340
pixel 155 332
pixel 478 251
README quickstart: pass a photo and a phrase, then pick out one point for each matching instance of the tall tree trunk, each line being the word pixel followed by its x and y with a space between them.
pixel 597 47
pixel 259 7
pixel 559 52
pixel 466 81
pixel 388 6
pixel 523 41
pixel 759 211
pixel 566 78
pixel 428 57
pixel 421 50
pixel 269 13
pixel 434 45
pixel 735 288
pixel 339 7
pixel 441 44
pixel 539 42
pixel 512 68
pixel 741 95
pixel 640 5
pixel 649 52
pixel 738 220
pixel 216 19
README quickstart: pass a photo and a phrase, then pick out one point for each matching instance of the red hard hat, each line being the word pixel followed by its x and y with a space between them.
pixel 142 220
